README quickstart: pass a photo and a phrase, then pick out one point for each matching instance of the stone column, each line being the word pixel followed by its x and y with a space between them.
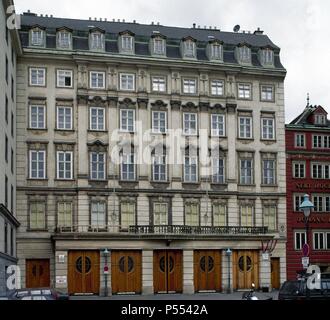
pixel 188 272
pixel 147 272
pixel 232 156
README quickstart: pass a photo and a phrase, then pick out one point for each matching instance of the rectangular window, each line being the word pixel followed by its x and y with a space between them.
pixel 189 86
pixel 128 167
pixel 98 211
pixel 189 48
pixel 216 51
pixel 64 78
pixel 97 80
pixel 127 120
pixel 244 91
pixel 191 214
pixel 127 217
pixel 246 171
pixel 298 169
pixel 321 142
pixel 190 169
pixel 159 168
pixel 268 169
pixel 319 240
pixel 268 129
pixel 219 215
pixel 159 46
pixel 318 204
pixel 190 123
pixel 217 87
pixel 299 140
pixel 218 125
pixel 158 84
pixel 218 170
pixel 37 117
pixel 267 93
pixel 300 240
pixel 64 165
pixel 127 43
pixel 97 41
pixel 38 77
pixel 37 216
pixel 37 164
pixel 64 214
pixel 37 38
pixel 320 119
pixel 270 217
pixel 245 127
pixel 97 165
pixel 244 53
pixel 159 122
pixel 297 202
pixel 97 119
pixel 246 216
pixel 6 148
pixel 317 171
pixel 160 214
pixel 64 118
pixel 64 40
pixel 127 82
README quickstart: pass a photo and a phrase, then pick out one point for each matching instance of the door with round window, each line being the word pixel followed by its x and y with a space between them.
pixel 245 269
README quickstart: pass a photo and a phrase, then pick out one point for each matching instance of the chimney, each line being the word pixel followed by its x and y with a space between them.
pixel 100 19
pixel 46 15
pixel 158 23
pixel 118 20
pixel 123 20
pixel 113 20
pixel 152 23
pixel 105 19
pixel 51 16
pixel 134 21
pixel 90 18
pixel 194 25
pixel 258 32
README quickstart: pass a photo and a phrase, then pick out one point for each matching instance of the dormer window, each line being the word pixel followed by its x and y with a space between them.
pixel 97 40
pixel 215 50
pixel 189 48
pixel 64 39
pixel 158 45
pixel 244 54
pixel 267 57
pixel 37 37
pixel 320 119
pixel 126 42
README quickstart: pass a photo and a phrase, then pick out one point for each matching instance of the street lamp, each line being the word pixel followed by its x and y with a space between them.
pixel 228 254
pixel 306 206
pixel 106 253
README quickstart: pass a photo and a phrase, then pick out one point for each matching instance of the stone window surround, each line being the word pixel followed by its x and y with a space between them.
pixel 132 198
pixel 96 199
pixel 33 198
pixel 160 199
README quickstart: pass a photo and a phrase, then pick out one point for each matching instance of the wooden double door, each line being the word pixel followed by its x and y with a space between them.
pixel 207 270
pixel 84 272
pixel 126 272
pixel 37 273
pixel 168 271
pixel 245 269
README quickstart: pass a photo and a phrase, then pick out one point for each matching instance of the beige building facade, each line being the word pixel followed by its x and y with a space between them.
pixel 144 153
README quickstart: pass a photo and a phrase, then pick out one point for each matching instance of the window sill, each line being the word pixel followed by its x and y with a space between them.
pixel 269 185
pixel 64 180
pixel 37 179
pixel 246 185
pixel 37 230
pixel 268 140
pixel 98 89
pixel 35 130
pixel 124 131
pixel 269 101
pixel 97 131
pixel 97 181
pixel 245 139
pixel 65 130
pixel 219 137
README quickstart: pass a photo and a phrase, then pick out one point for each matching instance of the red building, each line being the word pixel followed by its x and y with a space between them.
pixel 308 172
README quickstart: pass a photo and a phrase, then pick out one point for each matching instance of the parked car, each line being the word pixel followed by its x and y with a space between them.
pixel 298 290
pixel 37 294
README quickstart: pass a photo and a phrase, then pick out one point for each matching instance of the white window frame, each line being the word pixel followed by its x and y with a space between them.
pixel 298 138
pixel 121 80
pixel 216 51
pixel 161 161
pixel 322 141
pixel 243 133
pixel 189 86
pixel 97 43
pixel 100 126
pixel 319 234
pixel 162 214
pixel 131 214
pixel 188 130
pixel 64 44
pixel 127 46
pixel 98 163
pixel 39 107
pixel 43 220
pixel 267 216
pixel 67 223
pixel 100 213
pixel 124 126
pixel 221 215
pixel 298 163
pixel 65 74
pixel 217 177
pixel 189 49
pixel 267 57
pixel 41 39
pixel 244 91
pixel 158 128
pixel 300 198
pixel 193 161
pixel 266 94
pixel 188 212
pixel 217 131
pixel 268 128
pixel 159 49
pixel 40 77
pixel 65 162
pixel 64 127
pixel 37 177
pixel 245 179
pixel 321 202
pixel 244 54
pixel 324 173
pixel 320 119
pixel 158 83
pixel 245 216
pixel 98 84
pixel 269 179
pixel 217 87
pixel 302 234
pixel 126 160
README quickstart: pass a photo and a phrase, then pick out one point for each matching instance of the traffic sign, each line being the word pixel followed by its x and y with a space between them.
pixel 305 250
pixel 106 270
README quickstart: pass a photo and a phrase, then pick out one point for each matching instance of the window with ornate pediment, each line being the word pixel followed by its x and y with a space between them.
pixel 97 40
pixel 126 43
pixel 188 48
pixel 215 50
pixel 158 45
pixel 64 38
pixel 37 37
pixel 243 54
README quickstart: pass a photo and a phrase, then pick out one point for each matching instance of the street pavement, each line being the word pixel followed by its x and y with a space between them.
pixel 197 296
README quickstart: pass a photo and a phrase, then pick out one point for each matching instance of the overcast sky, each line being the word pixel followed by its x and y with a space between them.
pixel 301 28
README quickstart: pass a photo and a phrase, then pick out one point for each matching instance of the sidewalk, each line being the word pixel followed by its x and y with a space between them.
pixel 197 296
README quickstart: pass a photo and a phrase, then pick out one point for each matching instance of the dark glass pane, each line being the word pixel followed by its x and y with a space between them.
pixel 79 264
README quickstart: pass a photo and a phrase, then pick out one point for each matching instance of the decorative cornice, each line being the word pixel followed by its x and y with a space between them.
pixel 159 103
pixel 127 102
pixel 175 104
pixel 231 107
pixel 7 214
pixel 143 103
